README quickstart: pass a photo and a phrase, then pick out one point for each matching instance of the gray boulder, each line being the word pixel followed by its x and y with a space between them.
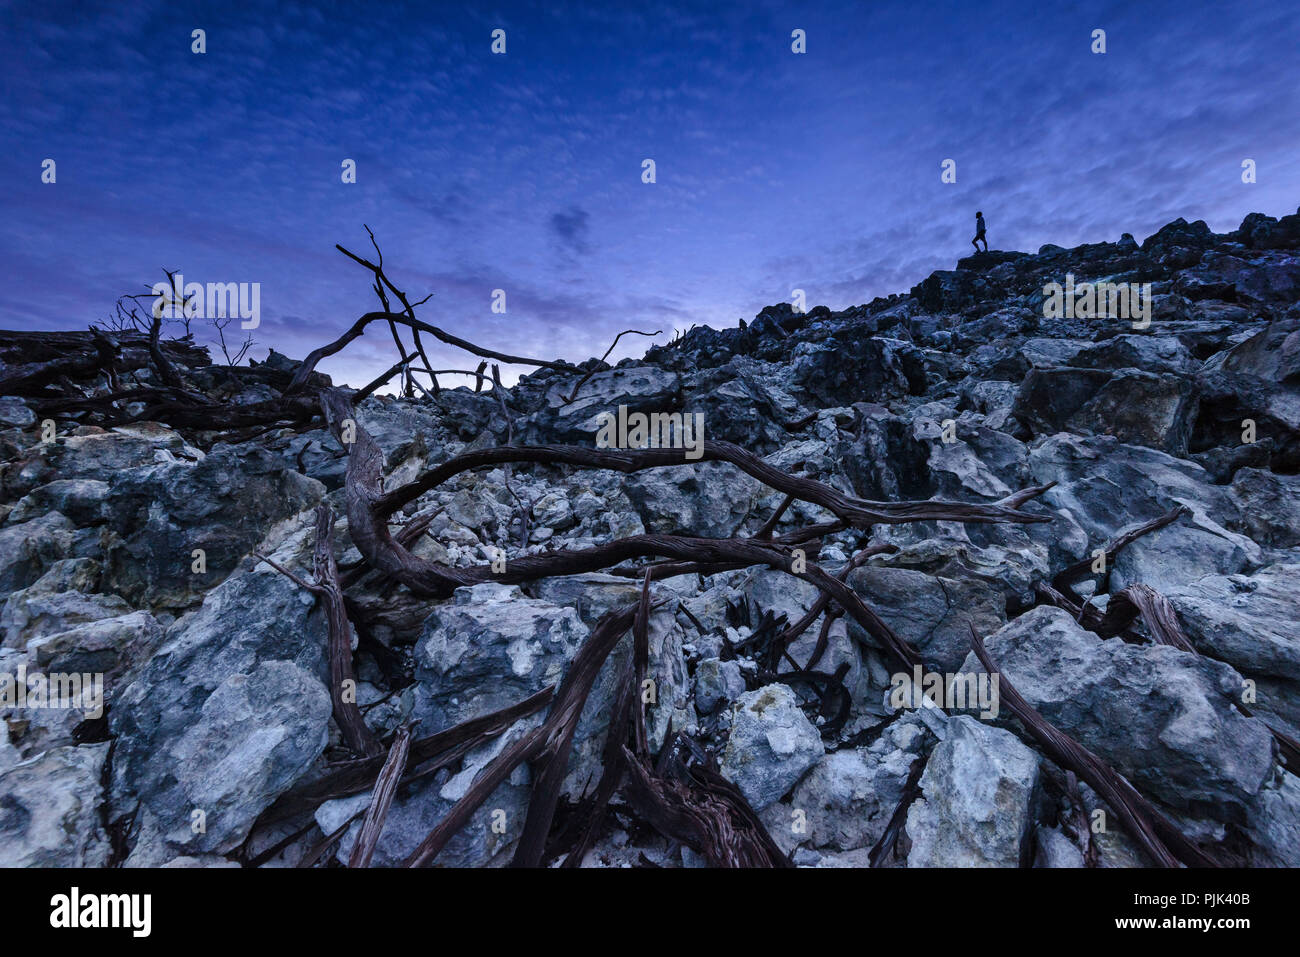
pixel 978 792
pixel 49 809
pixel 1107 486
pixel 95 453
pixel 641 388
pixel 772 744
pixel 64 597
pixel 109 646
pixel 709 499
pixel 849 796
pixel 1049 398
pixel 1054 849
pixel 1164 718
pixel 490 646
pixel 224 505
pixel 1275 830
pixel 14 413
pixel 230 711
pixel 935 614
pixel 1250 621
pixel 717 682
pixel 1269 506
pixel 80 499
pixel 1142 408
pixel 28 549
pixel 1150 353
pixel 487 648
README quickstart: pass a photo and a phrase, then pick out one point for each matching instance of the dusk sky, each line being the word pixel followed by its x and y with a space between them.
pixel 523 171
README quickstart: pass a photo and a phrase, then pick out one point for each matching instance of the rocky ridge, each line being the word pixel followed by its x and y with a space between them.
pixel 217 675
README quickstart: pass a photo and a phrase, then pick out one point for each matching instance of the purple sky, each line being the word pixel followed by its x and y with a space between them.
pixel 522 172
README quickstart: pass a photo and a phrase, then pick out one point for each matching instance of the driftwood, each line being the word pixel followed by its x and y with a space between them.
pixel 911 791
pixel 1082 825
pixel 358 329
pixel 1143 601
pixel 854 512
pixel 700 808
pixel 43 366
pixel 590 814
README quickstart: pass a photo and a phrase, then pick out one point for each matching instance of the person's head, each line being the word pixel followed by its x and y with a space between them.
pixel 978 213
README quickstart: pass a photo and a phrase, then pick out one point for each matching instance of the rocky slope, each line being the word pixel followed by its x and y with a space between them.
pixel 219 715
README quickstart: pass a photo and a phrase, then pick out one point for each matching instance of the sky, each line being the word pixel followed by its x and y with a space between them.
pixel 523 171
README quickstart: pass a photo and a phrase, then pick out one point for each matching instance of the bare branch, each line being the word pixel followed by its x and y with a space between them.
pixel 381 801
pixel 591 372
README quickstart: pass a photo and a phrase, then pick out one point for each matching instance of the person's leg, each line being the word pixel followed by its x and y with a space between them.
pixel 976 243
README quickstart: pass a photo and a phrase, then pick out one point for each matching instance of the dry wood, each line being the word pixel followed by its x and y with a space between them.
pixel 382 799
pixel 855 512
pixel 553 737
pixel 356 734
pixel 427 754
pixel 1082 825
pixel 889 839
pixel 1065 580
pixel 700 808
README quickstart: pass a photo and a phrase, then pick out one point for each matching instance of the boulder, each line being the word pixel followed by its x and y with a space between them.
pixel 65 596
pixel 224 505
pixel 487 648
pixel 977 791
pixel 1141 408
pixel 849 796
pixel 717 683
pixel 1107 487
pixel 231 710
pixel 1049 398
pixel 1249 621
pixel 935 614
pixel 707 500
pixel 1268 506
pixel 772 744
pixel 1164 718
pixel 49 809
pixel 28 549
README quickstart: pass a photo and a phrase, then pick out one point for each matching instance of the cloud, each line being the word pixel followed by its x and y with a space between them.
pixel 571 229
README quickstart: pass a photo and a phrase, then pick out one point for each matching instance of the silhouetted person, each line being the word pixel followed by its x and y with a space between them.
pixel 979 233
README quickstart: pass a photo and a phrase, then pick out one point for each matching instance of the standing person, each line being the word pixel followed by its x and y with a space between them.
pixel 979 233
